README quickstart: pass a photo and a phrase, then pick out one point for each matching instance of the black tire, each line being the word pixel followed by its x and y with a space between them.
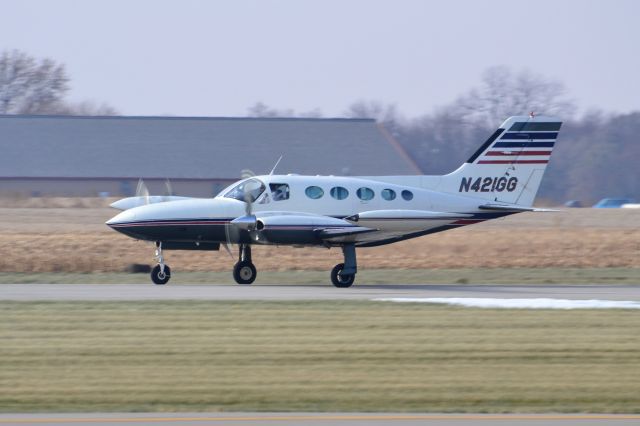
pixel 244 272
pixel 341 280
pixel 158 278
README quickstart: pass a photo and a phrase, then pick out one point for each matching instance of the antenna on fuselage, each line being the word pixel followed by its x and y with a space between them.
pixel 274 167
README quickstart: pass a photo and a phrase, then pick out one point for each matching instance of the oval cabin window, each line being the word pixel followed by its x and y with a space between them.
pixel 388 194
pixel 314 192
pixel 365 194
pixel 407 195
pixel 339 193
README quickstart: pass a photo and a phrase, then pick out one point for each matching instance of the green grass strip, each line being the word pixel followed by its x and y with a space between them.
pixel 315 356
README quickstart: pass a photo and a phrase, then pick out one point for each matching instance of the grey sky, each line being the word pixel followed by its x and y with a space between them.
pixel 217 58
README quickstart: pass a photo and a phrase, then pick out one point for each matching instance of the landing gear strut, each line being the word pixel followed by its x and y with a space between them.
pixel 244 272
pixel 161 273
pixel 344 274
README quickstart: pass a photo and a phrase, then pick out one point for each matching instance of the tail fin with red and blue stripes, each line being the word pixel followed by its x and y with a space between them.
pixel 509 166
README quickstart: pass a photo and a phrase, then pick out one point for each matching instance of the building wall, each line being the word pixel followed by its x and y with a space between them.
pixel 89 156
pixel 114 187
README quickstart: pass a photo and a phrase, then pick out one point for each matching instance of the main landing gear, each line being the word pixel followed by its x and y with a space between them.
pixel 344 274
pixel 244 272
pixel 161 273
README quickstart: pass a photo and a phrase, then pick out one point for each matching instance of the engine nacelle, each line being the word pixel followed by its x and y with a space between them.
pixel 289 228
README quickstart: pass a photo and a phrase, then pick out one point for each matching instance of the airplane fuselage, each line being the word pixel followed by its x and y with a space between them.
pixel 309 204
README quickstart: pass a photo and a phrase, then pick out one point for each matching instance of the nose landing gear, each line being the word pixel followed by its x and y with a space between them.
pixel 161 273
pixel 244 272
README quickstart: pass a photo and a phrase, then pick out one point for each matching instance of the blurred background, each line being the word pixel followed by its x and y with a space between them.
pixel 438 76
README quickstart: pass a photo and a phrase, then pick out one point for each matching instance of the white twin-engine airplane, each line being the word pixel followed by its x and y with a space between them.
pixel 499 179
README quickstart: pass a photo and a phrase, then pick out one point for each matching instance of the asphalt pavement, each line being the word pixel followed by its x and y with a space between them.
pixel 115 292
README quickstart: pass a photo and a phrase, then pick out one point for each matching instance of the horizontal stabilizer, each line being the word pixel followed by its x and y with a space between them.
pixel 513 208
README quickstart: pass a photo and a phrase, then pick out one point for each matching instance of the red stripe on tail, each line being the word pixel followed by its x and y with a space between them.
pixel 513 162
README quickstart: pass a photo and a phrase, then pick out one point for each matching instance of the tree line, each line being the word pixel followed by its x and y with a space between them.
pixel 596 154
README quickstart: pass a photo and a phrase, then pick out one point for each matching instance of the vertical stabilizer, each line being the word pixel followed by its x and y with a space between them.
pixel 509 166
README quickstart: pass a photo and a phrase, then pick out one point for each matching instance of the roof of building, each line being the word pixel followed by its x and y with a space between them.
pixel 194 147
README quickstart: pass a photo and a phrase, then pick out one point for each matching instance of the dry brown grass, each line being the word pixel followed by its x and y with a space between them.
pixel 20 201
pixel 76 240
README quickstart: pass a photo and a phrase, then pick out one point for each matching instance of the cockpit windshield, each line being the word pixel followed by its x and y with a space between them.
pixel 247 191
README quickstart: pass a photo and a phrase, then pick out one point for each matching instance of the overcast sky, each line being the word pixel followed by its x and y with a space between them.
pixel 216 58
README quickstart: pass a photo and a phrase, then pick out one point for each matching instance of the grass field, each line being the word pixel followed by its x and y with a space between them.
pixel 75 240
pixel 315 356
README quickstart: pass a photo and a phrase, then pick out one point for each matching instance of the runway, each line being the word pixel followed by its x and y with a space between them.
pixel 318 419
pixel 134 292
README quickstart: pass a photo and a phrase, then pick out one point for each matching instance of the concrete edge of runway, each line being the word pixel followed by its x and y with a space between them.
pixel 312 418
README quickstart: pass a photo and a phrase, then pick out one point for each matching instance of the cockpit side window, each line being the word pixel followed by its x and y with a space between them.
pixel 247 191
pixel 279 191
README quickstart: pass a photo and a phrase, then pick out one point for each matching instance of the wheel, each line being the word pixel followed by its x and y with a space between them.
pixel 244 272
pixel 341 280
pixel 158 277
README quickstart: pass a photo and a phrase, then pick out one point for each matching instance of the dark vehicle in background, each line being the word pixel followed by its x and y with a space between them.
pixel 612 203
pixel 573 203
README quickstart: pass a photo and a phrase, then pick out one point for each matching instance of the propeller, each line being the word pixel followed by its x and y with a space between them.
pixel 168 187
pixel 228 243
pixel 247 222
pixel 246 174
pixel 142 191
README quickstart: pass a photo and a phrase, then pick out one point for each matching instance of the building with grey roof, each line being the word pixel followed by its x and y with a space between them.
pixel 87 156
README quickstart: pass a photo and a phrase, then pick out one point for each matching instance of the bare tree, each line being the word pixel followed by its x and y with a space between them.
pixel 29 86
pixel 383 113
pixel 314 113
pixel 82 108
pixel 260 109
pixel 504 93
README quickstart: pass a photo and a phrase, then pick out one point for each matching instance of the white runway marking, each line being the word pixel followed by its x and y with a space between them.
pixel 519 303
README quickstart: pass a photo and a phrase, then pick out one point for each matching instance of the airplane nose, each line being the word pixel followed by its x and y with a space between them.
pixel 120 218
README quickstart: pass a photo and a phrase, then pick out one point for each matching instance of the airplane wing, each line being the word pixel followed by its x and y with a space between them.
pixel 405 215
pixel 389 224
pixel 280 226
pixel 329 233
pixel 365 227
pixel 326 225
pixel 513 208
